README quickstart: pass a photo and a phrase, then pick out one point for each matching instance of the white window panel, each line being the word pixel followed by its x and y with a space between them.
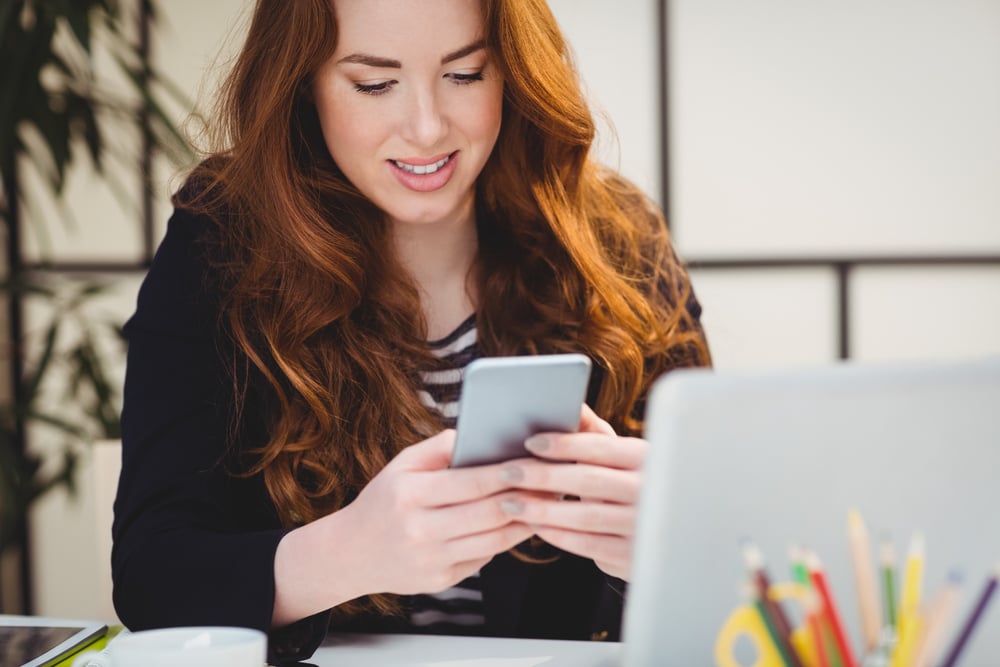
pixel 768 318
pixel 936 313
pixel 847 127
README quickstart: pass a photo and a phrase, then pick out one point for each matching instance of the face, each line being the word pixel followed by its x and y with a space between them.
pixel 410 105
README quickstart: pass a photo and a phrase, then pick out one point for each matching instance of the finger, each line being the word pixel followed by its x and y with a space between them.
pixel 451 486
pixel 583 480
pixel 463 519
pixel 613 554
pixel 596 448
pixel 603 518
pixel 589 421
pixel 489 543
pixel 434 453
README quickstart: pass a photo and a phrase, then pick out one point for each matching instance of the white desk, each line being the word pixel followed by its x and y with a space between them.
pixel 434 651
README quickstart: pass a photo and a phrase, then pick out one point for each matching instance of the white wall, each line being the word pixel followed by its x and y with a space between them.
pixel 797 128
pixel 850 128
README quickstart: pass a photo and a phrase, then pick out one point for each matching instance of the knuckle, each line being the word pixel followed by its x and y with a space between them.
pixel 481 486
pixel 413 533
pixel 541 476
pixel 594 516
pixel 592 481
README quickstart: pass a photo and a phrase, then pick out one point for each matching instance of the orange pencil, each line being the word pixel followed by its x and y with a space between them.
pixel 814 610
pixel 823 589
pixel 864 580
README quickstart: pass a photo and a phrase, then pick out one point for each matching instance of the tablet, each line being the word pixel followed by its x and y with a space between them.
pixel 33 641
pixel 507 399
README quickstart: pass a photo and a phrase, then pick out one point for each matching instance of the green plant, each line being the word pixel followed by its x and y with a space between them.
pixel 55 108
pixel 52 101
pixel 83 407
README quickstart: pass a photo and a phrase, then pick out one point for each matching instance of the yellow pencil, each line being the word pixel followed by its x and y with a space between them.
pixel 909 642
pixel 913 575
pixel 864 579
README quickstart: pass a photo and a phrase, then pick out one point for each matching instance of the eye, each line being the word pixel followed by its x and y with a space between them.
pixel 460 79
pixel 375 88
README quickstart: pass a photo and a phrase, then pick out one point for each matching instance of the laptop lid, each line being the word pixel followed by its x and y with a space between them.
pixel 774 459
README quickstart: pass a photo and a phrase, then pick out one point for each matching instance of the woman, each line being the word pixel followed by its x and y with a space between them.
pixel 399 188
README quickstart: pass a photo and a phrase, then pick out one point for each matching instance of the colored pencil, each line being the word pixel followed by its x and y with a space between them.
pixel 812 605
pixel 760 604
pixel 864 579
pixel 938 620
pixel 913 576
pixel 887 562
pixel 970 624
pixel 813 618
pixel 833 616
pixel 755 565
pixel 909 641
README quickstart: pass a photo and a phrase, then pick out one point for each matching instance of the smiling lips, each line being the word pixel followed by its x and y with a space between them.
pixel 424 175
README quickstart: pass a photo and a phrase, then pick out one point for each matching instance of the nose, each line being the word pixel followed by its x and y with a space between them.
pixel 425 124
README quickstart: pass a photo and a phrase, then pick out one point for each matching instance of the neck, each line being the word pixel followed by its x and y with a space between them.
pixel 439 259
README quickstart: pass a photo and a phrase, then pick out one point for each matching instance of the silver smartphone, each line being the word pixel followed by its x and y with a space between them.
pixel 505 400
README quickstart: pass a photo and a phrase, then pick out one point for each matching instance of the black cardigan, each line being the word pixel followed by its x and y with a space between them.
pixel 195 545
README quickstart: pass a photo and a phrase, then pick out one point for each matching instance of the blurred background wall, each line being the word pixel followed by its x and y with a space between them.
pixel 832 179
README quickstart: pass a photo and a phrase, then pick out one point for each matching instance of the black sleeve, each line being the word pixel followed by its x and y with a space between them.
pixel 193 543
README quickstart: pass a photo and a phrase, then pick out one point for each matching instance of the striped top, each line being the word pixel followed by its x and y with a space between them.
pixel 457 610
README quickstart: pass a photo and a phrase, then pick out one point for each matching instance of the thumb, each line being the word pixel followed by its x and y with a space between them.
pixel 591 423
pixel 434 453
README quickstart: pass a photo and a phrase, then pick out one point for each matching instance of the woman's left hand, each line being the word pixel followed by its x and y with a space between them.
pixel 606 479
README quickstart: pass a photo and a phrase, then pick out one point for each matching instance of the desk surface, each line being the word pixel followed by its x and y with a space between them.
pixel 437 651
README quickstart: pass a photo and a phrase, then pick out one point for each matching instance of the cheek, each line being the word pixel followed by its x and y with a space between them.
pixel 485 121
pixel 347 131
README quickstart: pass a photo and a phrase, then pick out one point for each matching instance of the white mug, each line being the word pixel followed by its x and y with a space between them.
pixel 192 647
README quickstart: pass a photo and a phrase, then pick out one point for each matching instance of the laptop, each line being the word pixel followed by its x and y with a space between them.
pixel 772 459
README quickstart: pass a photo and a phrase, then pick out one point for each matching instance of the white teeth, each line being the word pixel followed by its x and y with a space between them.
pixel 422 169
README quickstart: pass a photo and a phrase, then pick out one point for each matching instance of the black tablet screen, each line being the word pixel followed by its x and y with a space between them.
pixel 22 644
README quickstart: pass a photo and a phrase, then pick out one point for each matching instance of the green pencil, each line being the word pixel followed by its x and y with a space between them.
pixel 887 563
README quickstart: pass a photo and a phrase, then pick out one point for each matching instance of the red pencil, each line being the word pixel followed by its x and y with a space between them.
pixel 823 589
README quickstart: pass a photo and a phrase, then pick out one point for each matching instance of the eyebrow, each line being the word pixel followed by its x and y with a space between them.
pixel 378 61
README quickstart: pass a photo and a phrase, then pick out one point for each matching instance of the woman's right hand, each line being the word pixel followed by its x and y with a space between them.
pixel 417 527
pixel 425 526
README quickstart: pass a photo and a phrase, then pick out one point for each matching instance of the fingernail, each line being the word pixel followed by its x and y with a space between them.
pixel 512 506
pixel 537 443
pixel 511 474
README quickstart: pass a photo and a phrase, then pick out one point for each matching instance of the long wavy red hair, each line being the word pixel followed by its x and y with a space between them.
pixel 572 258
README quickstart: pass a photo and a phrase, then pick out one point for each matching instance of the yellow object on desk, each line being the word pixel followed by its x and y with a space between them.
pixel 746 621
pixel 96 645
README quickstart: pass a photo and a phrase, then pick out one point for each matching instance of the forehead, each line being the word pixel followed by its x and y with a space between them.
pixel 396 28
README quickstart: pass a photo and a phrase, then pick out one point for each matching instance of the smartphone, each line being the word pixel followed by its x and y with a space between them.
pixel 505 400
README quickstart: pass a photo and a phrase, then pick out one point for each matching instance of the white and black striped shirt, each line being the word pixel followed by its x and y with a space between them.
pixel 459 609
